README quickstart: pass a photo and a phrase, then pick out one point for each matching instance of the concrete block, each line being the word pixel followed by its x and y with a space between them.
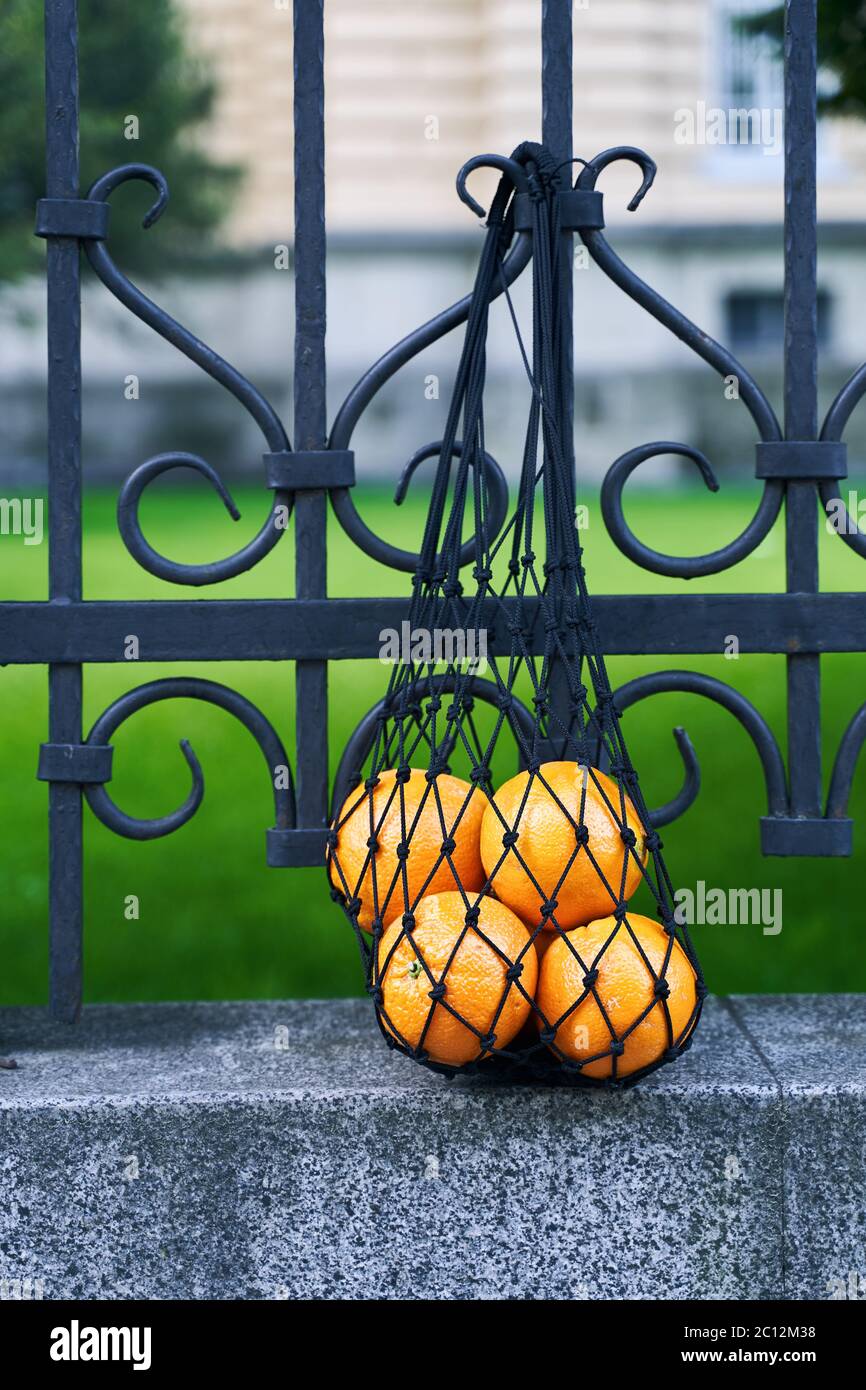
pixel 269 1150
pixel 815 1048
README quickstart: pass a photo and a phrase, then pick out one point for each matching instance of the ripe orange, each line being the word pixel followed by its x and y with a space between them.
pixel 541 941
pixel 625 987
pixel 474 981
pixel 546 839
pixel 354 869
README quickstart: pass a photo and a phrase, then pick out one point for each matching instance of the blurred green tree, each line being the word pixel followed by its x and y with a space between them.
pixel 134 62
pixel 841 49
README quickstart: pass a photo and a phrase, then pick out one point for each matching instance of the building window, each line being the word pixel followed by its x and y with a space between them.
pixel 755 320
pixel 750 77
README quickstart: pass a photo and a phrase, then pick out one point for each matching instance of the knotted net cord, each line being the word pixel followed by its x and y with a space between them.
pixel 430 715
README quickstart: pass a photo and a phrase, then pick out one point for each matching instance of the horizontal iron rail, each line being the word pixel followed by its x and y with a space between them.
pixel 343 629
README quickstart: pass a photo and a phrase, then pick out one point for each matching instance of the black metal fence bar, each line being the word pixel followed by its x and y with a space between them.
pixel 64 513
pixel 801 388
pixel 557 116
pixel 556 132
pixel 343 629
pixel 311 426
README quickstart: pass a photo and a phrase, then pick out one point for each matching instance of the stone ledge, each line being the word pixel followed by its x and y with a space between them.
pixel 270 1150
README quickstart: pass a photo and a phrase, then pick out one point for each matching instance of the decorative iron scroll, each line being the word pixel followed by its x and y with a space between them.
pixel 216 367
pixel 379 548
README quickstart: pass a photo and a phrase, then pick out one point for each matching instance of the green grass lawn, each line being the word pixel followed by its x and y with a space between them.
pixel 216 923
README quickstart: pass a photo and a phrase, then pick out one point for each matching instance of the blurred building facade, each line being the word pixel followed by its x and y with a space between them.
pixel 413 89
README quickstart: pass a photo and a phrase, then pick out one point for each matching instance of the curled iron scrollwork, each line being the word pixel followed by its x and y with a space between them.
pixel 695 683
pixel 361 742
pixel 516 254
pixel 713 353
pixel 189 688
pixel 844 767
pixel 220 371
pixel 364 390
pixel 834 427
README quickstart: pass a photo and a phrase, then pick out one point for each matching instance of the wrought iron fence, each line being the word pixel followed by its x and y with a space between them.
pixel 798 464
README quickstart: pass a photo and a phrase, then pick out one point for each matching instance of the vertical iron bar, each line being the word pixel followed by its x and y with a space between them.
pixel 801 386
pixel 64 501
pixel 556 134
pixel 310 418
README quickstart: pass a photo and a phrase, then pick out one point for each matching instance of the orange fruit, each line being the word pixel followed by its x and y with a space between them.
pixel 625 987
pixel 475 979
pixel 547 838
pixel 434 814
pixel 541 940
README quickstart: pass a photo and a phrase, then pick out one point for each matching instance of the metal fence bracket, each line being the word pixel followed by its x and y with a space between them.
pixel 814 837
pixel 308 470
pixel 84 218
pixel 297 849
pixel 801 460
pixel 75 762
pixel 580 209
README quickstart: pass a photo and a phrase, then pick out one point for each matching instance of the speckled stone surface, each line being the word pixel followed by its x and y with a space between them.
pixel 280 1150
pixel 815 1047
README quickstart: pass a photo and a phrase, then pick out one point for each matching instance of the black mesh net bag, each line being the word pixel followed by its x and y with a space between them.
pixel 514 925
